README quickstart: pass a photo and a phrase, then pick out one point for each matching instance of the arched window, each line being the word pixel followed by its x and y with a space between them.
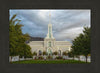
pixel 49 44
pixel 40 52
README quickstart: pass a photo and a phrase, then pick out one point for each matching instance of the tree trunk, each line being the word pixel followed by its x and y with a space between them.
pixel 79 58
pixel 73 57
pixel 19 58
pixel 11 58
pixel 86 58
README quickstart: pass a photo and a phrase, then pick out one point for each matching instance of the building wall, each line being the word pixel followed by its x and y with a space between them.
pixel 40 45
pixel 63 45
pixel 36 46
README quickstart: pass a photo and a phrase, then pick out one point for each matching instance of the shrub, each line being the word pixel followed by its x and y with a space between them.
pixel 55 53
pixel 40 57
pixel 49 57
pixel 44 53
pixel 59 57
pixel 34 53
pixel 64 53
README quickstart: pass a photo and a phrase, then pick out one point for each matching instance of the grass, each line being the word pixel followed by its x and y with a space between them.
pixel 47 62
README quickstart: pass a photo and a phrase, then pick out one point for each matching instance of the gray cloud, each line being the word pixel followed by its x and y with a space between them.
pixel 67 24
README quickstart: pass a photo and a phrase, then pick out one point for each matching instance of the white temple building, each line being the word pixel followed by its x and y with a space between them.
pixel 50 44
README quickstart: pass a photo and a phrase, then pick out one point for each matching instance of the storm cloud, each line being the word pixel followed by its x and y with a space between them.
pixel 67 24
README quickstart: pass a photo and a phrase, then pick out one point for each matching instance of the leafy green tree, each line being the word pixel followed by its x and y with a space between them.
pixel 86 41
pixel 17 39
pixel 71 53
pixel 81 44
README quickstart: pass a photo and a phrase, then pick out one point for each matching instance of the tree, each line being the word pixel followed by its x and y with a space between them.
pixel 17 39
pixel 81 44
pixel 77 46
pixel 13 36
pixel 86 41
pixel 71 53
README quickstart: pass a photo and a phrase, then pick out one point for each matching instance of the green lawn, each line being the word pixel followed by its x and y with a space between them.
pixel 47 62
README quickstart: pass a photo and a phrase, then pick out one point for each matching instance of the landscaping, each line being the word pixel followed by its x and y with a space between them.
pixel 47 62
pixel 24 51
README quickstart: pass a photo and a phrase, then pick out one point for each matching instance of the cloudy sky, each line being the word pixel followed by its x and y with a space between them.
pixel 67 24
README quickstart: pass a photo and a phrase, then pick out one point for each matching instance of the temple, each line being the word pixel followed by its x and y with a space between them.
pixel 50 44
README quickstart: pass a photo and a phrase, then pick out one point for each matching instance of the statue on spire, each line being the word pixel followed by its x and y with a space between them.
pixel 49 17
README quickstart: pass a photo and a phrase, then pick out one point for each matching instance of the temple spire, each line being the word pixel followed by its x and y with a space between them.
pixel 50 34
pixel 49 17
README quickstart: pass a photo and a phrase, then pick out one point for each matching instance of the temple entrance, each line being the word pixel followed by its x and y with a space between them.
pixel 49 52
pixel 59 52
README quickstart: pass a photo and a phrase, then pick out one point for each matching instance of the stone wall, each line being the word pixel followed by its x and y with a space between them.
pixel 59 45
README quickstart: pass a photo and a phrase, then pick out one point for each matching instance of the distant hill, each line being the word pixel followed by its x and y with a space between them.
pixel 35 39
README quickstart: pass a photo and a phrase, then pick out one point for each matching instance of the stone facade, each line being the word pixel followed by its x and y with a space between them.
pixel 55 46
